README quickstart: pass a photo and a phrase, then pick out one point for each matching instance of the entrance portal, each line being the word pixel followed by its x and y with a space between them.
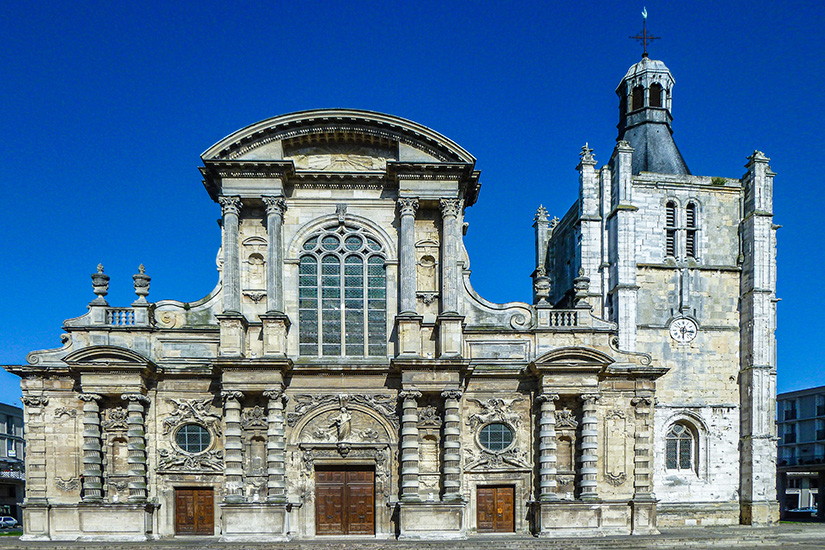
pixel 496 509
pixel 194 511
pixel 344 501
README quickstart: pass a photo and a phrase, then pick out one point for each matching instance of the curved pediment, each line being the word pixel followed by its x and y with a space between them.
pixel 338 140
pixel 106 355
pixel 574 355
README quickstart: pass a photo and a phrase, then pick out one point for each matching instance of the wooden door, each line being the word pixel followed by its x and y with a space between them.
pixel 345 501
pixel 495 509
pixel 194 511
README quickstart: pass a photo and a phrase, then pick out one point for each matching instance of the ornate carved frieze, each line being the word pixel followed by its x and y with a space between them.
pixel 495 409
pixel 482 459
pixel 193 410
pixel 172 460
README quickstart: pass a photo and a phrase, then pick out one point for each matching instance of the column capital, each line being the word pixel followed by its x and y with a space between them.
pixel 274 395
pixel 231 396
pixel 87 397
pixel 35 400
pixel 275 205
pixel 590 397
pixel 451 394
pixel 136 398
pixel 230 205
pixel 450 207
pixel 409 394
pixel 407 206
pixel 547 397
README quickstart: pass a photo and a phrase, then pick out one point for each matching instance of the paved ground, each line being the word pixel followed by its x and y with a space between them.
pixel 805 536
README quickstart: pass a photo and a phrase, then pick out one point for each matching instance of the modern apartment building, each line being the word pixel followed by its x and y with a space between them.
pixel 12 473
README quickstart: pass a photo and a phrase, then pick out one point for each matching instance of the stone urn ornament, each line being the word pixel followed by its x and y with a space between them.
pixel 100 284
pixel 142 281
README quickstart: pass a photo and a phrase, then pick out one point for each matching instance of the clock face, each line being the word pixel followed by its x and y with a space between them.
pixel 683 330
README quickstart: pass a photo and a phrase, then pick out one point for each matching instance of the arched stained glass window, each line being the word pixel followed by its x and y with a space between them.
pixel 680 448
pixel 342 295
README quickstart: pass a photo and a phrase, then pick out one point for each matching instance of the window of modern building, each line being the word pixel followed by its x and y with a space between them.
pixel 342 295
pixel 681 447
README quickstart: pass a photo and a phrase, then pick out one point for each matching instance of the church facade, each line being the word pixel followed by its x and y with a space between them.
pixel 344 378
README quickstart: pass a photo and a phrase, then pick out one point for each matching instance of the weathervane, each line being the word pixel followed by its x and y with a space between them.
pixel 644 38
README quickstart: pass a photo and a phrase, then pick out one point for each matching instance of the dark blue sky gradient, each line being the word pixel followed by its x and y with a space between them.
pixel 106 108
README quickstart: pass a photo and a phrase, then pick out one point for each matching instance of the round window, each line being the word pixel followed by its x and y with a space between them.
pixel 496 436
pixel 193 438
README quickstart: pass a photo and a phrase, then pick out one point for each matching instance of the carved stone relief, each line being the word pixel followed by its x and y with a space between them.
pixel 173 460
pixel 340 157
pixel 382 404
pixel 193 410
pixel 616 447
pixel 495 409
pixel 115 419
pixel 254 417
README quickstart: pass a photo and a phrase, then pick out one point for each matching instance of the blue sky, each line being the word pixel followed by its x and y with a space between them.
pixel 106 108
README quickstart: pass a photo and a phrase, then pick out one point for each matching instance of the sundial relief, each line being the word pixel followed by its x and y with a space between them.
pixel 340 157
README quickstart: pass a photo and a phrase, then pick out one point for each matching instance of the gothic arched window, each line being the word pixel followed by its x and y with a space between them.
pixel 681 448
pixel 342 294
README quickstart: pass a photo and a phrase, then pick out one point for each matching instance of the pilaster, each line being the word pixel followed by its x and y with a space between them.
pixel 590 224
pixel 275 446
pixel 36 450
pixel 643 506
pixel 623 258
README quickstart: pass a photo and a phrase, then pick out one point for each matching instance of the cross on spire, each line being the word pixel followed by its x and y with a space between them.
pixel 643 37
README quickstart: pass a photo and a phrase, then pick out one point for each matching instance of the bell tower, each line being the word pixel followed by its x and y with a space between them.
pixel 645 103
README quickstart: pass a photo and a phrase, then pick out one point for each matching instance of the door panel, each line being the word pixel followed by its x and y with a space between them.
pixel 495 509
pixel 194 512
pixel 345 501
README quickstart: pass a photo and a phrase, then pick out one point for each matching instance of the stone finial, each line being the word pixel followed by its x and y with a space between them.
pixel 554 222
pixel 541 214
pixel 586 155
pixel 100 284
pixel 141 285
pixel 581 286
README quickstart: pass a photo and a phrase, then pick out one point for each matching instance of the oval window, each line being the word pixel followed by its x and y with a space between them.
pixel 496 436
pixel 193 438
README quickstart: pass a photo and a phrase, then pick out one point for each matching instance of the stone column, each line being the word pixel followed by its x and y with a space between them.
pixel 547 447
pixel 450 250
pixel 136 444
pixel 451 461
pixel 409 445
pixel 231 208
pixel 233 458
pixel 275 209
pixel 589 447
pixel 275 447
pixel 92 458
pixel 36 448
pixel 407 208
